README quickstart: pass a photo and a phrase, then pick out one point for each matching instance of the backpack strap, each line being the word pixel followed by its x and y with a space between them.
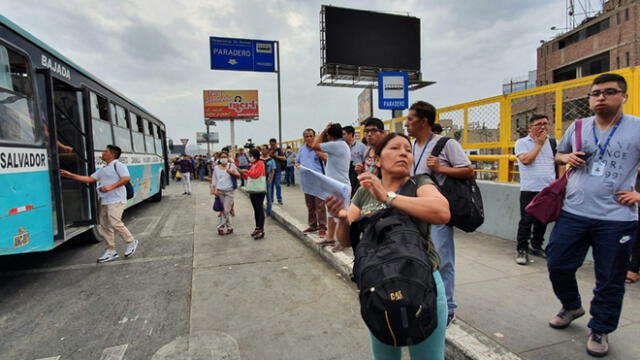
pixel 578 134
pixel 437 149
pixel 554 145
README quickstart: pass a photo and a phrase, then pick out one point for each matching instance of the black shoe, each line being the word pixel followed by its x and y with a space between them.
pixel 539 252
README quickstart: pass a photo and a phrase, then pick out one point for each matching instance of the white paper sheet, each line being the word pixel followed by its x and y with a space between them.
pixel 322 186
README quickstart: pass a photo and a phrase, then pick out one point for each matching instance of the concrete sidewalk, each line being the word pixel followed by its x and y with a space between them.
pixel 503 307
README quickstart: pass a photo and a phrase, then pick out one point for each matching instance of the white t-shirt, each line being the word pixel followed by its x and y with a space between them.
pixel 221 179
pixel 107 176
pixel 539 173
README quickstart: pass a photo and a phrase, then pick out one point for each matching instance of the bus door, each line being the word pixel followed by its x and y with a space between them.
pixel 75 201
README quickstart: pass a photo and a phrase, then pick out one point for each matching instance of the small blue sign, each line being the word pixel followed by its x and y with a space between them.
pixel 393 90
pixel 242 54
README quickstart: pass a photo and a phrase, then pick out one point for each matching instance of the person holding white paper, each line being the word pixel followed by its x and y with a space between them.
pixel 338 157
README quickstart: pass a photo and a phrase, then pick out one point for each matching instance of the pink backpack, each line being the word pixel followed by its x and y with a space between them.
pixel 547 205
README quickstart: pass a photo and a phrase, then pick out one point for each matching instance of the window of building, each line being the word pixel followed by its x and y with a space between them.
pixel 593 65
pixel 17 118
pixel 617 62
pixel 618 18
pixel 628 59
pixel 582 34
pixel 626 14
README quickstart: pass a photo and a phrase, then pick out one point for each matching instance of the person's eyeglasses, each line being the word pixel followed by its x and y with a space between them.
pixel 370 131
pixel 541 125
pixel 605 92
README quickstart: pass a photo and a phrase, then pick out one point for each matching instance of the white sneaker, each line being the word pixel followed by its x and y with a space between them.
pixel 108 256
pixel 131 248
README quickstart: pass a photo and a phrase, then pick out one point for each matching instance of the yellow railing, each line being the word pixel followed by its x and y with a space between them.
pixel 488 128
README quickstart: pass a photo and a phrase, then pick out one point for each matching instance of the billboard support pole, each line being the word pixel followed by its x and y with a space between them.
pixel 208 143
pixel 279 104
pixel 233 134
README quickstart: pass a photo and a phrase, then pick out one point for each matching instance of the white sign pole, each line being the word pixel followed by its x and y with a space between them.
pixel 233 134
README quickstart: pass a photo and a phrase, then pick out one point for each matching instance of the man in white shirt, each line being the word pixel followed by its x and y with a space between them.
pixel 537 166
pixel 113 199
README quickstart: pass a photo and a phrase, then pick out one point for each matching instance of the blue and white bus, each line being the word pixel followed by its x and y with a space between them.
pixel 55 115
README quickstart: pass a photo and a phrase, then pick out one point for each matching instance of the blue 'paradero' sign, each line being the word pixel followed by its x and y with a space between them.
pixel 242 54
pixel 393 90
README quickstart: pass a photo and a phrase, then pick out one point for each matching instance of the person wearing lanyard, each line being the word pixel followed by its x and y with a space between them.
pixel 599 211
pixel 452 162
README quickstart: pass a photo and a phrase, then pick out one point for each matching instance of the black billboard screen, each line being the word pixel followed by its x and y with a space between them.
pixel 365 38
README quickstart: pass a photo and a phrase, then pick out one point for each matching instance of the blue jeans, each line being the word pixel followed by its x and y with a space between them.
pixel 611 242
pixel 442 237
pixel 269 198
pixel 431 348
pixel 201 173
pixel 289 176
pixel 277 179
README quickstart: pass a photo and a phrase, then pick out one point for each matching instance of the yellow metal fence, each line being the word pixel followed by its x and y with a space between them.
pixel 488 128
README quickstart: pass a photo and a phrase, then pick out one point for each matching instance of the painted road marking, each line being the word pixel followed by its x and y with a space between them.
pixel 114 352
pixel 51 358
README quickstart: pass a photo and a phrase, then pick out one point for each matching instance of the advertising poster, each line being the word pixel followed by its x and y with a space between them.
pixel 231 104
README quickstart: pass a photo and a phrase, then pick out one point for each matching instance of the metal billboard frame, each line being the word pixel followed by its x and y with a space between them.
pixel 352 76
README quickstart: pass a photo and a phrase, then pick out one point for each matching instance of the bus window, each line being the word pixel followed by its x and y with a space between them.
pixel 148 139
pixel 136 130
pixel 158 141
pixel 16 100
pixel 102 135
pixel 121 131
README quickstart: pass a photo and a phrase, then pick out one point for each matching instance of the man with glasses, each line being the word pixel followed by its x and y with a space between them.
pixel 536 164
pixel 599 211
pixel 374 133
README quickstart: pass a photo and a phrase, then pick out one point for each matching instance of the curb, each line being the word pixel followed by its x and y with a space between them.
pixel 463 342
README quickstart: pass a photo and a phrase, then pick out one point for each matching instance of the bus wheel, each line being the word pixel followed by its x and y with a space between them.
pixel 158 196
pixel 91 236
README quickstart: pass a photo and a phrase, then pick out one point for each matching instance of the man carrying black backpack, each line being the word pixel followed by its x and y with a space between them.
pixel 450 162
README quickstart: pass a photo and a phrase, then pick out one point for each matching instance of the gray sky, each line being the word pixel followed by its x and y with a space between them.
pixel 157 52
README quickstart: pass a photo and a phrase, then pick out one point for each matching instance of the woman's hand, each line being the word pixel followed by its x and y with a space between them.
pixel 335 207
pixel 374 185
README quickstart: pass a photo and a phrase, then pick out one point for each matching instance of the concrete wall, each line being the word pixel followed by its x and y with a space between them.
pixel 502 209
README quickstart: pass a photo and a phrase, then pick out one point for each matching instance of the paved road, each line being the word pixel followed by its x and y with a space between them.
pixel 186 294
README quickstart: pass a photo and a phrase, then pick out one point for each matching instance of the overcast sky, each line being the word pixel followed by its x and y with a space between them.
pixel 157 52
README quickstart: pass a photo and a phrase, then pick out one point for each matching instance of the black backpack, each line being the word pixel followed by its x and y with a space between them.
pixel 465 200
pixel 127 186
pixel 394 274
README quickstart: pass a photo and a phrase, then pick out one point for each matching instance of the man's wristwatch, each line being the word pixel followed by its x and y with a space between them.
pixel 390 197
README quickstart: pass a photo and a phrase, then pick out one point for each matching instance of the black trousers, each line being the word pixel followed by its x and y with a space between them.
pixel 527 222
pixel 257 201
pixel 634 265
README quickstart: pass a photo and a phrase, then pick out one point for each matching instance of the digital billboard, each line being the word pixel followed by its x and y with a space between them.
pixel 231 104
pixel 374 39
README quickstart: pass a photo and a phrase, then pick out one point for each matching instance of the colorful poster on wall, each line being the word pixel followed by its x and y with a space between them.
pixel 231 104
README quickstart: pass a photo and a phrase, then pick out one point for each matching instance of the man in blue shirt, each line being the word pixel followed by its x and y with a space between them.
pixel 600 211
pixel 312 159
pixel 270 167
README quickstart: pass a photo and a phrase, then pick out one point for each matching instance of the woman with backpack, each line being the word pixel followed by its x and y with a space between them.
pixel 256 186
pixel 422 327
pixel 222 187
